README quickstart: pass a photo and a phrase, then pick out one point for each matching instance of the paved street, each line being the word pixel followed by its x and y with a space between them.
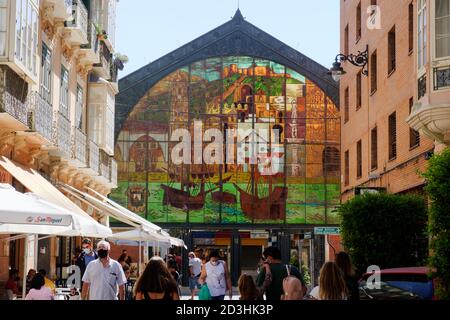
pixel 186 294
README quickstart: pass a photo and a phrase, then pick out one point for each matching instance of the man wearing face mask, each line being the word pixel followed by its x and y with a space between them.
pixel 215 275
pixel 86 256
pixel 104 278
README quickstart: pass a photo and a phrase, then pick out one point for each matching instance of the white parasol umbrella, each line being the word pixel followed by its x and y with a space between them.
pixel 139 235
pixel 24 214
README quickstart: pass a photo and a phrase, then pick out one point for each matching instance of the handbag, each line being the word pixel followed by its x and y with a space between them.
pixel 204 293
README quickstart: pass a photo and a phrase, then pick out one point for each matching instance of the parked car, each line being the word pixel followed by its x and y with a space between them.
pixel 399 284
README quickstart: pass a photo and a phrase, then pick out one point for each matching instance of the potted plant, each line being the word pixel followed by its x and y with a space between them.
pixel 120 60
pixel 101 34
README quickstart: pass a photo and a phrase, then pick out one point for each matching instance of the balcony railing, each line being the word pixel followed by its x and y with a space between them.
pixel 15 107
pixel 42 117
pixel 94 157
pixel 79 150
pixel 422 86
pixel 63 134
pixel 441 78
pixel 113 167
pixel 104 67
pixel 79 21
pixel 92 48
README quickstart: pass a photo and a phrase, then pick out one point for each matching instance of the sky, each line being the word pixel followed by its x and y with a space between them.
pixel 149 29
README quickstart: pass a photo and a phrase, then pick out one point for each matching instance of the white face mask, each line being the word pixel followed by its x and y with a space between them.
pixel 215 263
pixel 87 251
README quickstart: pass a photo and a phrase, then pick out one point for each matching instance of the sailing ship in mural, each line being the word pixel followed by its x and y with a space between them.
pixel 193 192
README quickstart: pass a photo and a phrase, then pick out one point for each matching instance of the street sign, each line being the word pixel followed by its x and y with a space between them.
pixel 308 236
pixel 327 231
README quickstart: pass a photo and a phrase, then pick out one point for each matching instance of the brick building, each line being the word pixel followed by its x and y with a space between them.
pixel 379 148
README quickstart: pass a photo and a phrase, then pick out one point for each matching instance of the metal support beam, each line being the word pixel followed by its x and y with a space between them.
pixel 236 257
pixel 188 240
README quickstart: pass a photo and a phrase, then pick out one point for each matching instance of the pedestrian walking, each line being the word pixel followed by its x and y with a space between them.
pixel 344 262
pixel 38 290
pixel 216 276
pixel 104 278
pixel 195 270
pixel 86 256
pixel 156 282
pixel 129 284
pixel 280 271
pixel 331 284
pixel 247 287
pixel 292 288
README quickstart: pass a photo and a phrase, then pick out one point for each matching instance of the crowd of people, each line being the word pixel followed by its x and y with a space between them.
pixel 104 278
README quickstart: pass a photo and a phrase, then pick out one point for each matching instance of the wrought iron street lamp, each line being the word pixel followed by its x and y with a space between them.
pixel 359 60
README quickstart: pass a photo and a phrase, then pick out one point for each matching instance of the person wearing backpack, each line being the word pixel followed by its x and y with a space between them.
pixel 279 271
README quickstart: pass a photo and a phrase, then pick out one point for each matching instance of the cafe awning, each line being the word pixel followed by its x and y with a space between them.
pixel 42 188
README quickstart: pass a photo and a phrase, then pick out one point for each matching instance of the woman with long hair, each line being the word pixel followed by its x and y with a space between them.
pixel 292 289
pixel 331 284
pixel 156 283
pixel 345 264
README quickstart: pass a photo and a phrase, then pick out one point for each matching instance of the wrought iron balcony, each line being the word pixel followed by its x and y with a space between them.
pixel 15 107
pixel 41 119
pixel 94 157
pixel 113 167
pixel 79 149
pixel 63 134
pixel 105 171
pixel 422 86
pixel 103 69
pixel 442 78
pixel 78 25
pixel 91 50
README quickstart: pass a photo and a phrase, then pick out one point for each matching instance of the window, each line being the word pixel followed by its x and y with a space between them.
pixel 374 149
pixel 422 33
pixel 358 90
pixel 392 136
pixel 64 93
pixel 411 26
pixel 373 72
pixel 46 74
pixel 346 105
pixel 442 31
pixel 347 169
pixel 346 50
pixel 358 22
pixel 414 136
pixel 79 108
pixel 27 23
pixel 391 51
pixel 359 159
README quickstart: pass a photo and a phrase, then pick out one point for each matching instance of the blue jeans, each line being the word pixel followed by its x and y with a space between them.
pixel 193 283
pixel 218 298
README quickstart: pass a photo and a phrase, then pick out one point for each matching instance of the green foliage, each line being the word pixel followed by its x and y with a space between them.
pixel 438 189
pixel 385 230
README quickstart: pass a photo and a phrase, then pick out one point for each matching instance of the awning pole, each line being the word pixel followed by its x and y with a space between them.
pixel 139 265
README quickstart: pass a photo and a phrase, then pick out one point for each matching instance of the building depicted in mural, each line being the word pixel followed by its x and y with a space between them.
pixel 236 78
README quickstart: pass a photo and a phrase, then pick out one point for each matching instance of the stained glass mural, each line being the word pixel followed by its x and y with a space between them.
pixel 243 95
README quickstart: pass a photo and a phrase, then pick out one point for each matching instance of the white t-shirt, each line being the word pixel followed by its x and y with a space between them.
pixel 104 281
pixel 196 265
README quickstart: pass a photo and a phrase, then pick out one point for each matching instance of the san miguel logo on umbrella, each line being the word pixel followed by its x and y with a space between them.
pixel 44 220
